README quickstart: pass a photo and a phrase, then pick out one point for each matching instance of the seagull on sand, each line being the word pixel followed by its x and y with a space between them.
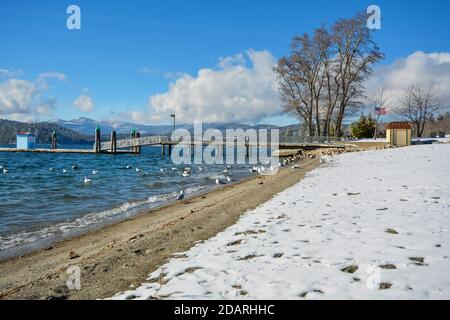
pixel 219 181
pixel 181 195
pixel 87 180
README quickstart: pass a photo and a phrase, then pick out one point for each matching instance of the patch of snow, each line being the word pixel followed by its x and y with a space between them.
pixel 368 225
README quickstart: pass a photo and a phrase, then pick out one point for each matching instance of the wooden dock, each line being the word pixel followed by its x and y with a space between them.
pixel 82 151
pixel 134 145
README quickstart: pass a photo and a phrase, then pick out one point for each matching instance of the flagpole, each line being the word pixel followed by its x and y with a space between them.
pixel 376 126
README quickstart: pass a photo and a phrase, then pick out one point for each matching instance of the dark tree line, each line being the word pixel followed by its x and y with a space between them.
pixel 321 80
pixel 9 129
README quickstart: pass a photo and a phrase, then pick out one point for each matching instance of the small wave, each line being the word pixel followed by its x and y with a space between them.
pixel 66 229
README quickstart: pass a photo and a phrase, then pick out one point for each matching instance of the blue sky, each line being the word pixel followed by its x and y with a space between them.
pixel 127 51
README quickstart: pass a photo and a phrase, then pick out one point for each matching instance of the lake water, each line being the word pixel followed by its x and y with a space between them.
pixel 39 203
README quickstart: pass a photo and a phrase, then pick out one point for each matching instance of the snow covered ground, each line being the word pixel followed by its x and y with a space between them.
pixel 369 225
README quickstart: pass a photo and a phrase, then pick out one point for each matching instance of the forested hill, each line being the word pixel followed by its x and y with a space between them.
pixel 9 129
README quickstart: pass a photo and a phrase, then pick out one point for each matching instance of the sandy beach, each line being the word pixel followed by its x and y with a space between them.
pixel 120 256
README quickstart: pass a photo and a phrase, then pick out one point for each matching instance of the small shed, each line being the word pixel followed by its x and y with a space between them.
pixel 399 134
pixel 25 141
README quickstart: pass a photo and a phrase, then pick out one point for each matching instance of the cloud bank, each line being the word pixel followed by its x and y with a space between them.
pixel 25 100
pixel 426 68
pixel 241 88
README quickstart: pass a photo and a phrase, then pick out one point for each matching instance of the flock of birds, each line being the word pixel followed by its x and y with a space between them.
pixel 226 174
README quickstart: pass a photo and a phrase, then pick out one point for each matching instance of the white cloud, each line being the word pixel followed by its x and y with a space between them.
pixel 241 88
pixel 433 68
pixel 23 99
pixel 84 102
pixel 16 96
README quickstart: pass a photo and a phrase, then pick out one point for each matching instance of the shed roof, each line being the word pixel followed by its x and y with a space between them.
pixel 398 125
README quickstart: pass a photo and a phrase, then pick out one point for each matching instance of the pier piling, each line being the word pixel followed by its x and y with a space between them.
pixel 98 148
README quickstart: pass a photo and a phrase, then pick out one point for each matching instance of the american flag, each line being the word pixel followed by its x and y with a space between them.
pixel 380 111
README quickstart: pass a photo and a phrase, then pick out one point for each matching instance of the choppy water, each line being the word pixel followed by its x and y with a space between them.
pixel 40 204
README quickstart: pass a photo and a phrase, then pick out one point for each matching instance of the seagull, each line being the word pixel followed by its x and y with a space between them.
pixel 128 167
pixel 94 171
pixel 1 167
pixel 50 169
pixel 228 179
pixel 64 171
pixel 254 169
pixel 186 174
pixel 200 169
pixel 219 182
pixel 161 169
pixel 5 170
pixel 173 169
pixel 87 180
pixel 181 195
pixel 74 167
pixel 138 170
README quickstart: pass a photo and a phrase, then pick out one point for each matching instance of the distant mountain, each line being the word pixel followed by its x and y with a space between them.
pixel 87 126
pixel 9 129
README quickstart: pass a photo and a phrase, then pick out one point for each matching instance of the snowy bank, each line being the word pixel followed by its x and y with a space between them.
pixel 368 225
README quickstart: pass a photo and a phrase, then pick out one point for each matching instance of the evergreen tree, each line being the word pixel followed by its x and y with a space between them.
pixel 363 128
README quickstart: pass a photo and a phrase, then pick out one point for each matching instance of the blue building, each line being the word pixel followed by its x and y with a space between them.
pixel 26 141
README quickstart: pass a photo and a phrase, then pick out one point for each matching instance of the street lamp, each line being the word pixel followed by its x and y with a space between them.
pixel 173 116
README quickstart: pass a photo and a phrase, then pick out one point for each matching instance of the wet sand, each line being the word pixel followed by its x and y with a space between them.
pixel 118 256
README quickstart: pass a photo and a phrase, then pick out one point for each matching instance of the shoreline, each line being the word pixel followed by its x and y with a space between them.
pixel 129 250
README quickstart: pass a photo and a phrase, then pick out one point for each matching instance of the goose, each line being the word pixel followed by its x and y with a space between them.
pixel 87 180
pixel 181 195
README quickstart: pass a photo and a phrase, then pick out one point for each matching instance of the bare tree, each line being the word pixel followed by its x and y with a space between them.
pixel 321 81
pixel 301 79
pixel 419 104
pixel 356 55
